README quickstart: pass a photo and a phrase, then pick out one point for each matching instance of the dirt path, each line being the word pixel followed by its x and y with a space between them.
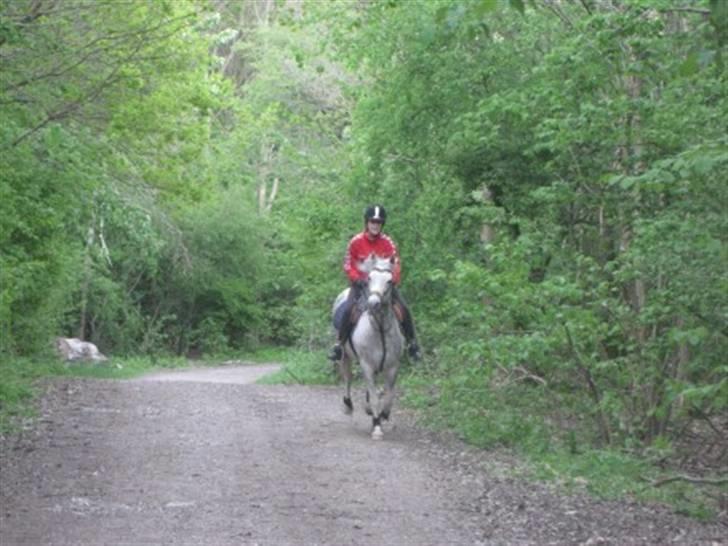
pixel 205 457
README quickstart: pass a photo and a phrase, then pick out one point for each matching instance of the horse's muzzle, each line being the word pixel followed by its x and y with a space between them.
pixel 374 302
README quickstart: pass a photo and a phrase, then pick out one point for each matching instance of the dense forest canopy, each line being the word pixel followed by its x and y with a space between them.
pixel 182 176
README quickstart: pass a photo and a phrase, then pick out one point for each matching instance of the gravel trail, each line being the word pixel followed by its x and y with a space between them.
pixel 206 457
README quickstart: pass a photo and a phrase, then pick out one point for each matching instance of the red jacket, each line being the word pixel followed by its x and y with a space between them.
pixel 361 247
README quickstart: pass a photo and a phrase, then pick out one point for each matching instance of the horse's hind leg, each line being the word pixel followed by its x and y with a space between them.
pixel 345 369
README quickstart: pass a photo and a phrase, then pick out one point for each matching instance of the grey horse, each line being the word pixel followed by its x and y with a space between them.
pixel 376 342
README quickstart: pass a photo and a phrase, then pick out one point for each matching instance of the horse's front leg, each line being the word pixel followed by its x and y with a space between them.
pixel 372 401
pixel 390 379
pixel 345 370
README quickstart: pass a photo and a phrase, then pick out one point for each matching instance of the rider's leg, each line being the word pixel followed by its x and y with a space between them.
pixel 344 329
pixel 408 326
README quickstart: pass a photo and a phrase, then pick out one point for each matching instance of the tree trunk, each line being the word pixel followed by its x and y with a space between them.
pixel 86 281
pixel 266 195
pixel 487 231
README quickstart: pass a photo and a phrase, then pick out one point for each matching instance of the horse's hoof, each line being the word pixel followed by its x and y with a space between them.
pixel 348 406
pixel 369 411
pixel 377 433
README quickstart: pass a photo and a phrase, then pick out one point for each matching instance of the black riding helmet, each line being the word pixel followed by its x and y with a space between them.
pixel 375 212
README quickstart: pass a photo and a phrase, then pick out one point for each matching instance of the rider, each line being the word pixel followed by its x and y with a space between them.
pixel 371 241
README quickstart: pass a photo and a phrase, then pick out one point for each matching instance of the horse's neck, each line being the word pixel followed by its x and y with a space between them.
pixel 383 319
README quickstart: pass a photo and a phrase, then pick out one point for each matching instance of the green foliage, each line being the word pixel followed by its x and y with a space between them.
pixel 542 170
pixel 37 259
pixel 217 298
pixel 555 181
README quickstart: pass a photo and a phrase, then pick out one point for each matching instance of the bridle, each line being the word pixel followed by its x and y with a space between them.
pixel 385 295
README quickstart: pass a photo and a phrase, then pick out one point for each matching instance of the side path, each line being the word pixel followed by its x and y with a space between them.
pixel 207 460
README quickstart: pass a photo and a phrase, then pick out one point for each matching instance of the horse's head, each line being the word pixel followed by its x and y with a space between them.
pixel 380 282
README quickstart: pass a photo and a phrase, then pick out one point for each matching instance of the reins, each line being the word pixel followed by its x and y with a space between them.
pixel 380 323
pixel 384 345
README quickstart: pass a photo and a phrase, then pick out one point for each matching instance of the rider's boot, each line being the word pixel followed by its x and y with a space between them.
pixel 413 349
pixel 337 351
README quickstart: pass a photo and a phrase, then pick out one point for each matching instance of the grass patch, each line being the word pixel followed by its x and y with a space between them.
pixel 18 377
pixel 299 366
pixel 610 474
pixel 521 418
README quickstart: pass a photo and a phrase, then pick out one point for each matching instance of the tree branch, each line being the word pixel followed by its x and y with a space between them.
pixel 593 389
pixel 690 479
pixel 706 418
pixel 685 9
pixel 559 13
pixel 89 50
pixel 63 112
